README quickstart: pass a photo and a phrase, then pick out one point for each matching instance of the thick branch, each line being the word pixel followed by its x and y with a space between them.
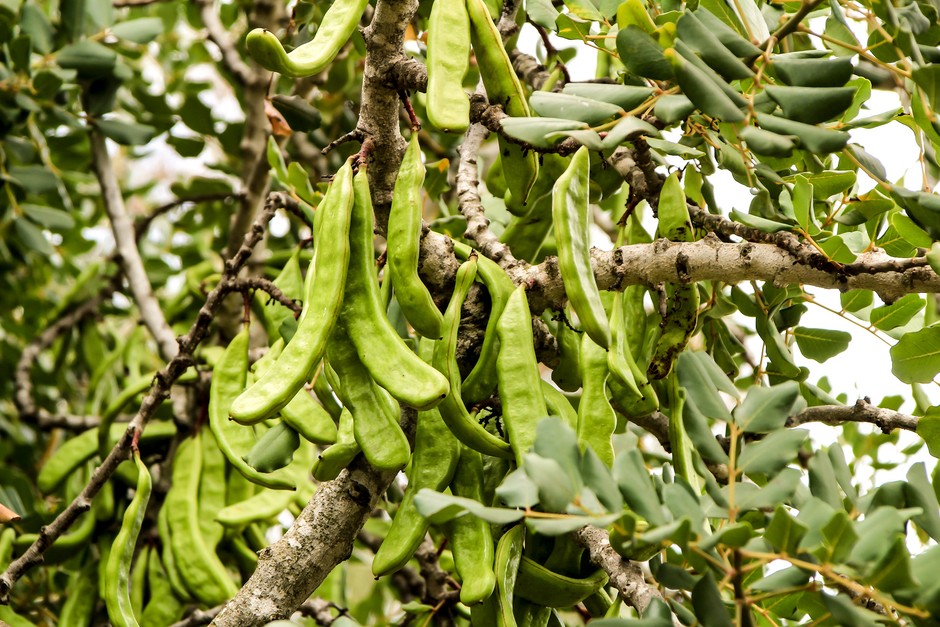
pixel 321 538
pixel 862 411
pixel 625 575
pixel 129 255
pixel 159 392
pixel 712 260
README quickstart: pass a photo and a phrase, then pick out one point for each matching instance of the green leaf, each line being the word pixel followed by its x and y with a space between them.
pixel 627 129
pixel 535 131
pixel 556 488
pixel 856 300
pixel 769 455
pixel 518 490
pixel 928 428
pixel 300 115
pixel 569 107
pixel 673 108
pixel 791 577
pixel 697 35
pixel 561 526
pixel 276 160
pixel 837 249
pixel 706 93
pixel 830 182
pixel 31 237
pixel 821 344
pixel 803 72
pixel 757 222
pixel 635 485
pixel 642 55
pixel 815 139
pixel 916 356
pixel 767 408
pixel 140 31
pixel 127 133
pixel 703 379
pixel 933 257
pixel 803 204
pixel 707 603
pixel 927 77
pixel 90 59
pixel 921 494
pixel 769 144
pixel 898 313
pixel 48 216
pixel 908 229
pixel 542 13
pixel 627 97
pixel 784 532
pixel 846 614
pixel 438 508
pixel 676 150
pixel 822 480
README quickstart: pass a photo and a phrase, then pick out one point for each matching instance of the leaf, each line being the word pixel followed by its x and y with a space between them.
pixel 567 524
pixel 769 455
pixel 707 603
pixel 927 77
pixel 898 313
pixel 703 379
pixel 276 160
pixel 803 72
pixel 127 133
pixel 811 105
pixel 848 615
pixel 790 577
pixel 767 408
pixel 928 428
pixel 702 90
pixel 692 31
pixel 821 344
pixel 763 142
pixel 627 97
pixel 300 115
pixel 642 55
pixel 856 300
pixel 627 129
pixel 636 487
pixel 518 490
pixel 48 217
pixel 910 231
pixel 803 204
pixel 542 13
pixel 672 108
pixel 921 494
pixel 768 226
pixel 438 508
pixel 31 237
pixel 676 150
pixel 556 487
pixel 536 131
pixel 569 107
pixel 90 59
pixel 916 356
pixel 140 31
pixel 815 139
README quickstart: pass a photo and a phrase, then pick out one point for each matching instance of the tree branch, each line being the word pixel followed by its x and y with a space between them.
pixel 128 254
pixel 321 537
pixel 625 576
pixel 218 34
pixel 159 392
pixel 862 411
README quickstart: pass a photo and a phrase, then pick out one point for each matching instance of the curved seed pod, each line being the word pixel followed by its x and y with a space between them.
pixel 376 426
pixel 596 418
pixel 169 560
pixel 520 169
pixel 433 465
pixel 117 573
pixel 460 422
pixel 339 455
pixel 139 580
pixel 404 242
pixel 324 394
pixel 518 370
pixel 79 606
pixel 558 405
pixel 263 506
pixel 164 608
pixel 234 440
pixel 83 447
pixel 273 450
pixel 448 60
pixel 481 381
pixel 336 27
pixel 322 302
pixel 305 416
pixel 470 537
pixel 567 374
pixel 570 212
pixel 508 556
pixel 678 324
pixel 540 585
pixel 200 568
pixel 381 350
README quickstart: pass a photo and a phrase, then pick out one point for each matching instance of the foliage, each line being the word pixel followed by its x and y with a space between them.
pixel 675 420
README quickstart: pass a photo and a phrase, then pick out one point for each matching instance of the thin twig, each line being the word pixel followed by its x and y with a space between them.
pixel 158 393
pixel 129 255
pixel 218 35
